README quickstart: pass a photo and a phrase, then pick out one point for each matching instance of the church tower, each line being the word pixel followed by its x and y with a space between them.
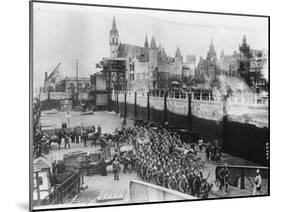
pixel 178 62
pixel 212 55
pixel 245 48
pixel 153 52
pixel 114 40
pixel 146 44
pixel 153 63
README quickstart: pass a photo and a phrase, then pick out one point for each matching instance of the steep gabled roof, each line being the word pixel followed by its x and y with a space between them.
pixel 178 52
pixel 128 50
pixel 153 43
pixel 146 44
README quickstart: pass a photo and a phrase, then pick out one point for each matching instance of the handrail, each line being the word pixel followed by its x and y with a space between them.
pixel 201 96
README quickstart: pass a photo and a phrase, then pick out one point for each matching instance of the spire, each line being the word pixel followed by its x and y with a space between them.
pixel 114 30
pixel 211 55
pixel 178 52
pixel 146 44
pixel 244 39
pixel 245 48
pixel 212 48
pixel 114 23
pixel 153 43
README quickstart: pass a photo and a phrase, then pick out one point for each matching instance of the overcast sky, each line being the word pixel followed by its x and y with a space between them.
pixel 63 33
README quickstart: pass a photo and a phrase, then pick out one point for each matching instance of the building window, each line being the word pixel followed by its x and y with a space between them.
pixel 132 77
pixel 132 67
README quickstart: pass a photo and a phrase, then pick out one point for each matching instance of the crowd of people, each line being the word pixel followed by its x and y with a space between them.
pixel 155 160
pixel 42 141
pixel 213 152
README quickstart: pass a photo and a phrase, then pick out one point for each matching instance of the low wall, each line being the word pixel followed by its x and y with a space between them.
pixel 146 192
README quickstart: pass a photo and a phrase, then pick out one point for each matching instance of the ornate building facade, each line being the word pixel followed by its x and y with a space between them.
pixel 209 67
pixel 148 67
pixel 247 64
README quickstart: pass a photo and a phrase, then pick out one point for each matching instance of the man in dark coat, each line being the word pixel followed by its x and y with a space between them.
pixel 116 169
pixel 103 171
pixel 223 176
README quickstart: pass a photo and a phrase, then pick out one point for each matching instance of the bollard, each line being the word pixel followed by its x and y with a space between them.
pixel 117 103
pixel 136 112
pixel 125 106
pixel 148 107
pixel 165 106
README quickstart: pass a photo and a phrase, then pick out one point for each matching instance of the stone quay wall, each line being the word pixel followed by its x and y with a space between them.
pixel 241 127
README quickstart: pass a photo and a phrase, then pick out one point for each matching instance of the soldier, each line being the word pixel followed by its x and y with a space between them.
pixel 93 129
pixel 183 183
pixel 196 185
pixel 54 167
pixel 76 136
pixel 166 179
pixel 159 177
pixel 143 170
pixel 99 130
pixel 190 179
pixel 66 141
pixel 200 144
pixel 205 188
pixel 223 176
pixel 125 160
pixel 116 169
pixel 72 135
pixel 149 174
pixel 59 167
pixel 134 161
pixel 258 182
pixel 84 138
pixel 154 173
pixel 103 167
pixel 172 184
pixel 63 166
pixel 208 151
pixel 137 166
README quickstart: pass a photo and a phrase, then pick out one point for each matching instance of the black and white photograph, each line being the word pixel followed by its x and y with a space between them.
pixel 141 105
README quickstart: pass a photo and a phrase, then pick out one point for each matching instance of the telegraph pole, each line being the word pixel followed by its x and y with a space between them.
pixel 77 86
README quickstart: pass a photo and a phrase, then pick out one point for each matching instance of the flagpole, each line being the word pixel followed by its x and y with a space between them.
pixel 77 87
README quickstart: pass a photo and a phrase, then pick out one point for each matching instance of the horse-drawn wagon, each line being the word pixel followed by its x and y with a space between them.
pixel 89 163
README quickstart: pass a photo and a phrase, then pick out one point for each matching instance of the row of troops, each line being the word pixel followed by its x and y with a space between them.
pixel 155 162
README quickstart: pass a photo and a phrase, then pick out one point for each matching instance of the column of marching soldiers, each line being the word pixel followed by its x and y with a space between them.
pixel 156 162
